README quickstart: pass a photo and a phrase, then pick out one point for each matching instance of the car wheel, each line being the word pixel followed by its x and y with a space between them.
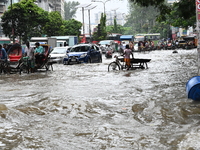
pixel 64 62
pixel 100 59
pixel 89 60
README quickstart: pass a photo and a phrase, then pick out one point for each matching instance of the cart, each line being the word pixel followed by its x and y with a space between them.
pixel 136 63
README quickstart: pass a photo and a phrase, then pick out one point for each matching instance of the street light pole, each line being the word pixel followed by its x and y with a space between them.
pixel 104 3
pixel 83 6
pixel 115 12
pixel 89 20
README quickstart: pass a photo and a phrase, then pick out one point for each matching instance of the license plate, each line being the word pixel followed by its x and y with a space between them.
pixel 73 59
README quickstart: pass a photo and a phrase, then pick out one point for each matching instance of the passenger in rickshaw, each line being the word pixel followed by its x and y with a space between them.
pixel 39 54
pixel 29 52
pixel 3 54
pixel 127 54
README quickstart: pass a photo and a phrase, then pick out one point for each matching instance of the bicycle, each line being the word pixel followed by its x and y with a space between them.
pixel 116 65
pixel 135 64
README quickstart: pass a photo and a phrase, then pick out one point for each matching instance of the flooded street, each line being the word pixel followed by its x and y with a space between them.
pixel 85 107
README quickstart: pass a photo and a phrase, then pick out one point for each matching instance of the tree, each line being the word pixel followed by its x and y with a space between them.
pixel 70 9
pixel 101 33
pixel 24 20
pixel 178 10
pixel 71 27
pixel 116 28
pixel 184 9
pixel 29 20
pixel 53 25
pixel 142 19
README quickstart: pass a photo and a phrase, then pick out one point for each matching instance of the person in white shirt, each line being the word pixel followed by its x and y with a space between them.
pixel 29 52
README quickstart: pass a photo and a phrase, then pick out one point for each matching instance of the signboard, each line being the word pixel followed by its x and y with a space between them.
pixel 198 9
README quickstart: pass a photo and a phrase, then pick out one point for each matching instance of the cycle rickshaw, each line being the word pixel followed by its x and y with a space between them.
pixel 119 63
pixel 15 55
pixel 45 64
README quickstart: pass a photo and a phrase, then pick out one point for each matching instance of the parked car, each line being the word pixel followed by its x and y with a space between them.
pixel 58 53
pixel 83 53
pixel 103 44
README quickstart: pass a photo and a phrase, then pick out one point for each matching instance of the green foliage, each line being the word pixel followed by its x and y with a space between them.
pixel 23 20
pixel 181 17
pixel 146 3
pixel 53 25
pixel 71 27
pixel 157 16
pixel 102 34
pixel 116 29
pixel 180 14
pixel 141 19
pixel 29 20
pixel 70 9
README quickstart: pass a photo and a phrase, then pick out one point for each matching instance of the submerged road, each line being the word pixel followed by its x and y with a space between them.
pixel 85 107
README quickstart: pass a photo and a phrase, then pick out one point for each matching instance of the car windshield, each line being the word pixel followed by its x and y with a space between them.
pixel 104 42
pixel 59 51
pixel 80 49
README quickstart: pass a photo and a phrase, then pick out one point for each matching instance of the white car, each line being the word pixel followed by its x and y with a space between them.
pixel 58 53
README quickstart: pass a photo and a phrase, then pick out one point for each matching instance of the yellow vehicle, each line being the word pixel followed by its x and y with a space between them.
pixel 182 44
pixel 191 42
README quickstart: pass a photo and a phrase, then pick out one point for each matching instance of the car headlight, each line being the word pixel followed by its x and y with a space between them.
pixel 83 55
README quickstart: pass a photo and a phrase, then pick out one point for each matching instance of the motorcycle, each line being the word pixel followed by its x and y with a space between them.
pixel 170 46
pixel 108 54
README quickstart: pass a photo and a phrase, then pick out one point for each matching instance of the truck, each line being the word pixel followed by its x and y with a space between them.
pixel 70 40
pixel 43 40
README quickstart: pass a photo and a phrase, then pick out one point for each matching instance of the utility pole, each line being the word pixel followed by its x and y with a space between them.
pixel 83 6
pixel 104 3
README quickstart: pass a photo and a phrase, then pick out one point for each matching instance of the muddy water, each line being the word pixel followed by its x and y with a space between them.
pixel 85 107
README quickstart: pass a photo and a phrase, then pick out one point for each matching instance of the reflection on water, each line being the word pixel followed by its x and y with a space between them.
pixel 85 107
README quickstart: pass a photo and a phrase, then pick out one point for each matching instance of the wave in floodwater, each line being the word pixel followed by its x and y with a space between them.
pixel 84 106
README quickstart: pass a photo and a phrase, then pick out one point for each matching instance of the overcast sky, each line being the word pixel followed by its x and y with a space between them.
pixel 118 5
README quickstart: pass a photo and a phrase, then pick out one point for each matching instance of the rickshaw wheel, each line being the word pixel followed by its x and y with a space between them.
pixel 48 65
pixel 113 66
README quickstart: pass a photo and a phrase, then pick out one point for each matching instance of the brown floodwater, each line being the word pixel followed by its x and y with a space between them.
pixel 85 107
